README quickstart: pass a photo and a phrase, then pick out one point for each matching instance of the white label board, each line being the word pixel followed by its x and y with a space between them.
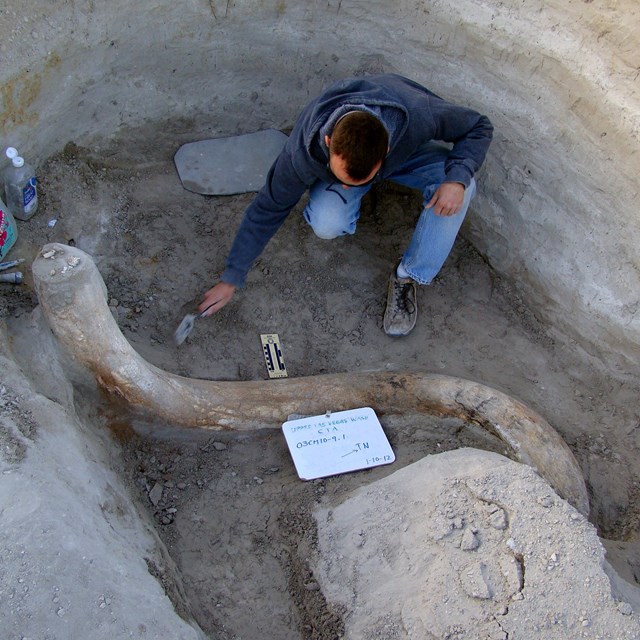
pixel 337 443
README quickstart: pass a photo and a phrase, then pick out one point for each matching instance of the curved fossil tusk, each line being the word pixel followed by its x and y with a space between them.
pixel 74 299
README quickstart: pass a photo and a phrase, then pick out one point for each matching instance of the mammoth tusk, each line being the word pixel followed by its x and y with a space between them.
pixel 73 297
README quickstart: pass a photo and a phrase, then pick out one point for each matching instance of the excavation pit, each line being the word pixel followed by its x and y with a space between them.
pixel 536 300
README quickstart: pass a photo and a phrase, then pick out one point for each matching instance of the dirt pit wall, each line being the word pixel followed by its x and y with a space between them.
pixel 78 551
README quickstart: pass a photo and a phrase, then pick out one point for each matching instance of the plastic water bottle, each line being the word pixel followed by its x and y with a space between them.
pixel 8 230
pixel 20 187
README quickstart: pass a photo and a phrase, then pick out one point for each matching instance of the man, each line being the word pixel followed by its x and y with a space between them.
pixel 357 133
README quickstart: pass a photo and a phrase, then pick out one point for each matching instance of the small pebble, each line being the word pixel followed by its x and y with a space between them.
pixel 625 608
pixel 155 494
pixel 498 520
pixel 469 541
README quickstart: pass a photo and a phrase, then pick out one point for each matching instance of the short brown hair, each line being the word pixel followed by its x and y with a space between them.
pixel 361 140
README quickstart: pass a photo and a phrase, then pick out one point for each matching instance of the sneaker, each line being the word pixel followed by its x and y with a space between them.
pixel 402 310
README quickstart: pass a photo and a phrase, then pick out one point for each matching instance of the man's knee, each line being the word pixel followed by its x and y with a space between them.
pixel 326 226
pixel 327 231
pixel 328 234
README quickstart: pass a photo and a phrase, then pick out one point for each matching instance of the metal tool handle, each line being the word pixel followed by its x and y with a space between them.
pixel 13 278
pixel 207 309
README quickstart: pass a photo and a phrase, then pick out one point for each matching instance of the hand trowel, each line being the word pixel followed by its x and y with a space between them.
pixel 187 324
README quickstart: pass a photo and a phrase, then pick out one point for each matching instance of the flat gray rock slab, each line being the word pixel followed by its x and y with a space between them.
pixel 224 166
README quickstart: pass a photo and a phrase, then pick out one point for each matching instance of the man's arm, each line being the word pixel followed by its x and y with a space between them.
pixel 264 216
pixel 471 134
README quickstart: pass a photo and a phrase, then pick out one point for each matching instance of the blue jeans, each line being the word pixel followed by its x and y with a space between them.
pixel 333 211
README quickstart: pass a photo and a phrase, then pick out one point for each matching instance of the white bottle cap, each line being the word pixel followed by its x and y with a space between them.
pixel 11 152
pixel 17 161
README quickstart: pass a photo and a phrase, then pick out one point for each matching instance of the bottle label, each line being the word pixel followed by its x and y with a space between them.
pixel 30 195
pixel 7 232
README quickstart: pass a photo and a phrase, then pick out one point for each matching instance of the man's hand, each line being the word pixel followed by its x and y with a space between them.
pixel 447 199
pixel 216 298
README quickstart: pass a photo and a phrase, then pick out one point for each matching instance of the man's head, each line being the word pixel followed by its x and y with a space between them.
pixel 357 147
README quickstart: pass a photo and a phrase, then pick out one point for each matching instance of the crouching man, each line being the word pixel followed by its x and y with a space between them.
pixel 357 133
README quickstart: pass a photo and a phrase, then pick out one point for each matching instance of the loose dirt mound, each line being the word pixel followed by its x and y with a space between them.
pixel 466 544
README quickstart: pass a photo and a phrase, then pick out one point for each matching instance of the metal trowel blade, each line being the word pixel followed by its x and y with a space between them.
pixel 188 322
pixel 184 328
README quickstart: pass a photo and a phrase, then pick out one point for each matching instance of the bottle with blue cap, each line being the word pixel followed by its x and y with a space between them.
pixel 20 186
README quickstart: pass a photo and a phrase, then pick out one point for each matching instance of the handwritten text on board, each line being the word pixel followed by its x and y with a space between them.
pixel 338 443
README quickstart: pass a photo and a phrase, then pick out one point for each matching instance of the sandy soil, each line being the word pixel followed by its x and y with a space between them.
pixel 230 508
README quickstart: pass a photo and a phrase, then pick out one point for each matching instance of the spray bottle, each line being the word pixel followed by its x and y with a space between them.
pixel 20 186
pixel 8 230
